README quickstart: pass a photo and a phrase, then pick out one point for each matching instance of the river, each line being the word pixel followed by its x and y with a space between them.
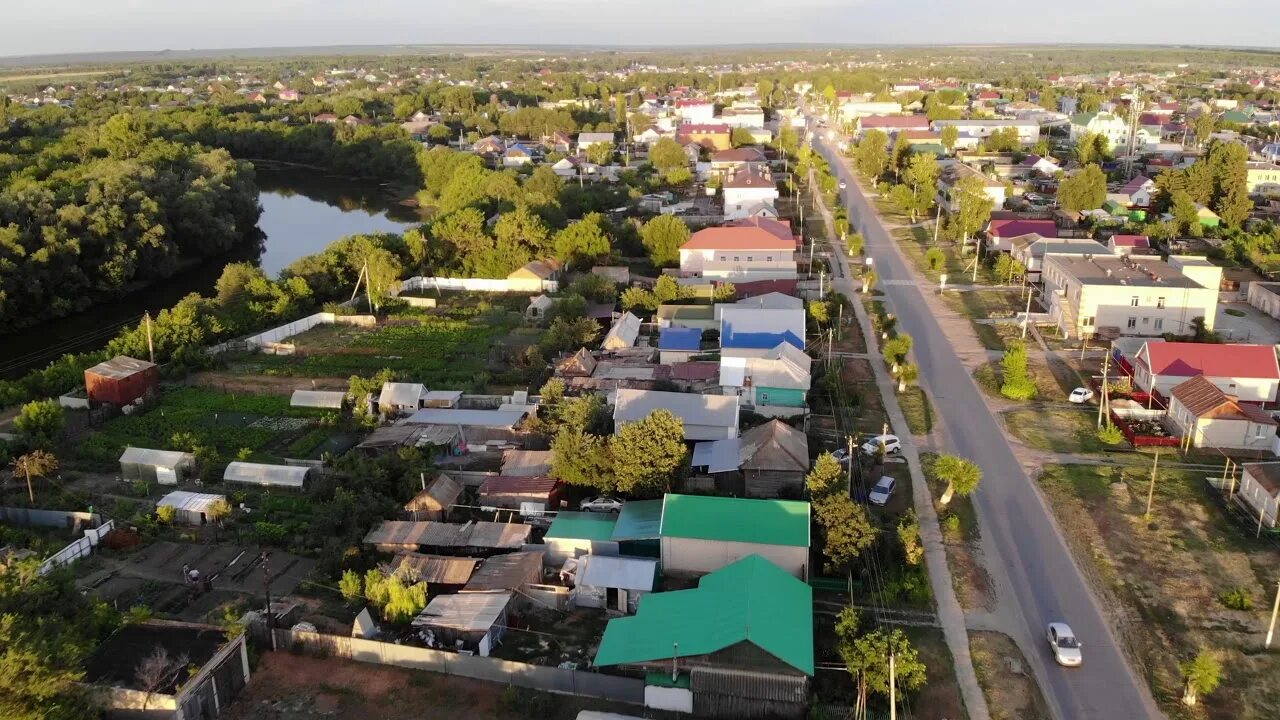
pixel 301 214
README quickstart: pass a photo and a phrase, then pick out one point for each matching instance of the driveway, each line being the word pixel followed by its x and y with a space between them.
pixel 1035 574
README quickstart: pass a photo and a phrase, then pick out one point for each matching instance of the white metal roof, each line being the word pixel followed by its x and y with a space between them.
pixel 469 612
pixel 158 458
pixel 617 572
pixel 401 394
pixel 623 334
pixel 194 502
pixel 263 474
pixel 447 396
pixel 473 418
pixel 717 455
pixel 714 410
pixel 318 399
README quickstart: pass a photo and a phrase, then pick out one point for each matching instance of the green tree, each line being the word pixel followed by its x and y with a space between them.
pixel 523 227
pixel 787 141
pixel 1201 676
pixel 725 292
pixel 909 536
pixel 896 349
pixel 648 454
pixel 871 156
pixel 37 463
pixel 351 585
pixel 962 476
pixel 907 373
pixel 950 134
pixel 41 420
pixel 935 259
pixel 1008 268
pixel 662 238
pixel 1087 149
pixel 584 241
pixel 582 459
pixel 600 153
pixel 570 334
pixel 1203 126
pixel 868 661
pixel 1003 140
pixel 900 154
pixel 1185 214
pixel 1086 189
pixel 1018 384
pixel 921 176
pixel 666 155
pixel 973 206
pixel 846 527
pixel 741 136
pixel 166 514
pixel 637 298
pixel 826 477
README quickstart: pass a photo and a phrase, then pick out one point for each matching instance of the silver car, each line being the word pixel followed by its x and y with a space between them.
pixel 1065 646
pixel 883 490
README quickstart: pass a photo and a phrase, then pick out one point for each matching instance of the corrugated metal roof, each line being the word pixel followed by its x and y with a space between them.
pixel 766 522
pixel 639 520
pixel 628 573
pixel 435 569
pixel 623 334
pixel 517 485
pixel 717 455
pixel 506 572
pixel 468 418
pixel 120 366
pixel 401 394
pixel 441 493
pixel 751 600
pixel 468 612
pixel 582 526
pixel 680 338
pixel 715 410
pixel 158 458
pixel 263 474
pixel 440 534
pixel 774 445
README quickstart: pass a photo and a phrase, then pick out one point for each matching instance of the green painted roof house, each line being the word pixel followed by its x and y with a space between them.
pixel 767 522
pixel 582 526
pixel 750 601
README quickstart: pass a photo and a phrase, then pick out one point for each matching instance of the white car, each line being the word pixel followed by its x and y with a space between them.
pixel 601 504
pixel 889 443
pixel 883 490
pixel 1065 646
pixel 1080 395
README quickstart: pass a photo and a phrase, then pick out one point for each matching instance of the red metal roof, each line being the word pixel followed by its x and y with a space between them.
pixel 1014 228
pixel 1133 241
pixel 1180 359
pixel 695 370
pixel 509 484
pixel 780 229
pixel 753 288
pixel 738 238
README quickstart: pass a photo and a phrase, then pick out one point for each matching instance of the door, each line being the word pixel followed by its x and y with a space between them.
pixel 611 597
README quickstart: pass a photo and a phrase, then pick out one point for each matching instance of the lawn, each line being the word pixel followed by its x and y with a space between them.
pixel 1059 430
pixel 987 304
pixel 1168 572
pixel 919 411
pixel 1007 682
pixel 960 535
pixel 1051 386
pixel 226 423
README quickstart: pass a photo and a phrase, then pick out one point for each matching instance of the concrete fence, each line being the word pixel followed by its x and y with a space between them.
pixel 537 677
pixel 271 341
pixel 490 285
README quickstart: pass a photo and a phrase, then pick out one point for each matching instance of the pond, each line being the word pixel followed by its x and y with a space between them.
pixel 301 214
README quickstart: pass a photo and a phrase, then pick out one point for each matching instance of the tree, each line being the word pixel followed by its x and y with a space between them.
pixel 935 259
pixel 856 244
pixel 1008 267
pixel 1017 381
pixel 38 463
pixel 741 136
pixel 1085 189
pixel 764 91
pixel 351 585
pixel 868 661
pixel 666 155
pixel 847 528
pixel 907 374
pixel 584 241
pixel 668 289
pixel 649 453
pixel 869 278
pixel 788 140
pixel 662 238
pixel 582 459
pixel 564 334
pixel 158 671
pixel 921 176
pixel 909 536
pixel 218 511
pixel 1202 674
pixel 166 514
pixel 950 134
pixel 724 292
pixel 895 350
pixel 523 227
pixel 962 476
pixel 1235 206
pixel 973 206
pixel 1087 148
pixel 901 152
pixel 1003 140
pixel 872 157
pixel 42 420
pixel 1203 126
pixel 637 298
pixel 1185 214
pixel 600 153
pixel 826 477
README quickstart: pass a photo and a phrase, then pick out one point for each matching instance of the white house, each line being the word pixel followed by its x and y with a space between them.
pixel 1260 489
pixel 695 111
pixel 1110 126
pixel 1138 192
pixel 754 248
pixel 706 417
pixel 747 189
pixel 1028 131
pixel 1208 417
pixel 1247 372
pixel 952 172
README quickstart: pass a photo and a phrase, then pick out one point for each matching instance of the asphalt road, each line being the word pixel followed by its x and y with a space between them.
pixel 1045 583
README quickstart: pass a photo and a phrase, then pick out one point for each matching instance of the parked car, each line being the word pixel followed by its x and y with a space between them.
pixel 1080 395
pixel 883 490
pixel 601 504
pixel 842 456
pixel 890 443
pixel 1065 646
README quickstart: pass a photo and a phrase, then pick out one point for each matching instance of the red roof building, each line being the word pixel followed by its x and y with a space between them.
pixel 1248 372
pixel 120 380
pixel 749 236
pixel 1002 229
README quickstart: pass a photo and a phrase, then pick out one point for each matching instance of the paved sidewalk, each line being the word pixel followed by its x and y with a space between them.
pixel 950 614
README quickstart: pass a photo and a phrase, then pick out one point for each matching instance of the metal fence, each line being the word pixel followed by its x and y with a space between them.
pixel 47 518
pixel 78 548
pixel 537 677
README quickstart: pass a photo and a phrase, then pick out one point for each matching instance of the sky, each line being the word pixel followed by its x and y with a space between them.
pixel 34 27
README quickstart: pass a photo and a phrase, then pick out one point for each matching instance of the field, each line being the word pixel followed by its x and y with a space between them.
pixel 264 425
pixel 1051 386
pixel 1064 431
pixel 1007 683
pixel 437 351
pixel 1169 577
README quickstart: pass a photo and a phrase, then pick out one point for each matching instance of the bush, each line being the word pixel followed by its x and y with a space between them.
pixel 166 513
pixel 1110 434
pixel 951 524
pixel 1020 389
pixel 1236 599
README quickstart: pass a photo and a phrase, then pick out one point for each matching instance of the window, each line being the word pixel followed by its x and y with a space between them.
pixel 749 258
pixel 1133 322
pixel 764 397
pixel 1146 321
pixel 1160 303
pixel 1086 321
pixel 1133 301
pixel 1159 323
pixel 769 258
pixel 735 258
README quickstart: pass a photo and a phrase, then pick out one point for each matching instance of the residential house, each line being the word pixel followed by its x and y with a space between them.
pixel 1137 193
pixel 773 458
pixel 649 135
pixel 678 344
pixel 290 96
pixel 534 276
pixel 435 499
pixel 579 533
pixel 1263 178
pixel 727 163
pixel 746 191
pixel 977 130
pixel 1109 125
pixel 527 463
pixel 491 146
pixel 477 537
pixel 712 136
pixel 558 141
pixel 517 155
pixel 1034 165
pixel 441 573
pixel 1260 490
pixel 1207 417
pixel 890 124
pixel 568 167
pixel 580 364
pixel 509 571
pixel 705 417
pixel 774 383
pixel 1247 372
pixel 695 111
pixel 853 108
pixel 952 172
pixel 587 139
pixel 1031 249
pixel 742 115
pixel 1001 232
pixel 701 534
pixel 1123 295
pixel 749 331
pixel 1129 244
pixel 518 491
pixel 753 248
pixel 739 645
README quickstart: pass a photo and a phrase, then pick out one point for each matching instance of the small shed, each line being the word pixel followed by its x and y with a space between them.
pixel 678 344
pixel 466 621
pixel 163 467
pixel 527 463
pixel 623 334
pixel 539 306
pixel 774 458
pixel 191 508
pixel 1260 490
pixel 614 583
pixel 580 533
pixel 435 499
pixel 502 491
pixel 580 364
pixel 440 572
pixel 324 399
pixel 290 476
pixel 120 380
pixel 512 572
pixel 398 397
pixel 638 528
pixel 441 398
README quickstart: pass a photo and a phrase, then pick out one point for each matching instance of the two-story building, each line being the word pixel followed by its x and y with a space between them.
pixel 750 249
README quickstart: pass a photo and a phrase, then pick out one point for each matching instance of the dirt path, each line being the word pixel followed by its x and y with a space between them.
pixel 262 384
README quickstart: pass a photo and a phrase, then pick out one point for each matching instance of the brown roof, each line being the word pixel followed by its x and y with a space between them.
pixel 774 445
pixel 507 484
pixel 738 238
pixel 440 494
pixel 506 572
pixel 749 180
pixel 1267 475
pixel 1205 400
pixel 435 569
pixel 695 370
pixel 742 154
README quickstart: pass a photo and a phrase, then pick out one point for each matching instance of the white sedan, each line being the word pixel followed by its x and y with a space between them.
pixel 601 504
pixel 883 490
pixel 1065 646
pixel 1080 395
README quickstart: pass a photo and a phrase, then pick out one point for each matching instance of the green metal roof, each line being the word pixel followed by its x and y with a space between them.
pixel 639 520
pixel 582 526
pixel 751 600
pixel 767 522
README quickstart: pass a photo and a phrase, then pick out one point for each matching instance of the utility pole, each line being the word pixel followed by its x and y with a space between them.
pixel 937 224
pixel 1275 609
pixel 368 295
pixel 151 349
pixel 1106 360
pixel 1151 489
pixel 1026 317
pixel 266 588
pixel 893 695
pixel 851 458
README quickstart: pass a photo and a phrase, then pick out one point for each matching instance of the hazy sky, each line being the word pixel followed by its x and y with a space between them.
pixel 57 26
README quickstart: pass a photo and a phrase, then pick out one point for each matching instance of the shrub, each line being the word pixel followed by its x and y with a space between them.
pixel 1020 389
pixel 1110 434
pixel 166 514
pixel 1236 599
pixel 935 258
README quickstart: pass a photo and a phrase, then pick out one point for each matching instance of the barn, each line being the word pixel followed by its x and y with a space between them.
pixel 120 380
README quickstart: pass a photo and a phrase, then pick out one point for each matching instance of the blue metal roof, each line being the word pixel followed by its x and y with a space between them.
pixel 680 338
pixel 759 340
